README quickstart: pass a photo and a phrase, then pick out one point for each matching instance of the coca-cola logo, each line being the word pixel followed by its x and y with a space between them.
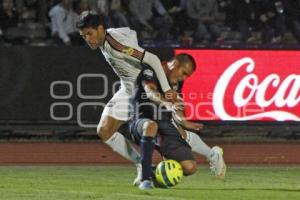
pixel 243 85
pixel 258 90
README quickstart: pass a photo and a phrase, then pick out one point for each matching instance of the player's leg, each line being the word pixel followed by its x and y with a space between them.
pixel 197 144
pixel 182 153
pixel 217 163
pixel 147 148
pixel 213 155
pixel 189 167
pixel 174 147
pixel 108 132
pixel 145 130
pixel 107 127
pixel 115 113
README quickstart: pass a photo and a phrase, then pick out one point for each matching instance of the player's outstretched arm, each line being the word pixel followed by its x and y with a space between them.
pixel 154 95
pixel 178 115
pixel 180 118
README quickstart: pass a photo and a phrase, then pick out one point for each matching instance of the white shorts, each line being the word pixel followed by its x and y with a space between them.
pixel 119 106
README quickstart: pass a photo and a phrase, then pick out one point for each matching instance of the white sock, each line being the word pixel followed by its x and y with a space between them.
pixel 197 145
pixel 122 146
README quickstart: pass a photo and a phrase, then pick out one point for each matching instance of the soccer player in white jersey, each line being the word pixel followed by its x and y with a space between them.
pixel 121 50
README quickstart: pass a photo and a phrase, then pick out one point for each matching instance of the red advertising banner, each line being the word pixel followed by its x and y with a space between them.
pixel 242 85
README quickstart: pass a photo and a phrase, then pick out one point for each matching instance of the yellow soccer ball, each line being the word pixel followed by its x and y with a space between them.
pixel 168 173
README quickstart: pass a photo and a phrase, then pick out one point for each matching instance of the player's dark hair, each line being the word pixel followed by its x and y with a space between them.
pixel 90 19
pixel 186 58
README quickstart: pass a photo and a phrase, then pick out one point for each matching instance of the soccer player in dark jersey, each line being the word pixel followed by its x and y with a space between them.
pixel 154 114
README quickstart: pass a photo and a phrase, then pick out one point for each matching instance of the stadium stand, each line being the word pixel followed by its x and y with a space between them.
pixel 266 23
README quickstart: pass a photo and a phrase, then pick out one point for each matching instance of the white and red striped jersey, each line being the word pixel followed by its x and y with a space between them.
pixel 125 56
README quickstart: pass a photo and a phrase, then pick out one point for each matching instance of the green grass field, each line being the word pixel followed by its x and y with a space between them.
pixel 114 182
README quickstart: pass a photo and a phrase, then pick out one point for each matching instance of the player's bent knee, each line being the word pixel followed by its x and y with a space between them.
pixel 150 128
pixel 104 132
pixel 189 167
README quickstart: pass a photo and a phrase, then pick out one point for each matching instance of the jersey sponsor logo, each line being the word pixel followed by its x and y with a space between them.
pixel 128 51
pixel 124 49
pixel 148 72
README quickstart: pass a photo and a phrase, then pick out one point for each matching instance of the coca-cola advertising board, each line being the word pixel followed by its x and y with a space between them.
pixel 242 85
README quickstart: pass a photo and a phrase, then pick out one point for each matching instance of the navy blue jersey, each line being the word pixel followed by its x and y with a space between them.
pixel 143 106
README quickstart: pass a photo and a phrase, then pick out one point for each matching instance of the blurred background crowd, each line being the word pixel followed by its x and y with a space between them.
pixel 157 22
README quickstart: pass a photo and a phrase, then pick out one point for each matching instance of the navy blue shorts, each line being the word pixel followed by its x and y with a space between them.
pixel 172 145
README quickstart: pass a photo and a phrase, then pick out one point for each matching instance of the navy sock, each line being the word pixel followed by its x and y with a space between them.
pixel 147 148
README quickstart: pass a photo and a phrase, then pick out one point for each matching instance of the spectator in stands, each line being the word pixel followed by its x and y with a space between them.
pixel 80 6
pixel 33 10
pixel 272 20
pixel 63 23
pixel 113 11
pixel 176 9
pixel 292 11
pixel 150 15
pixel 93 5
pixel 226 7
pixel 8 17
pixel 118 13
pixel 203 14
pixel 102 7
pixel 8 14
pixel 243 18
